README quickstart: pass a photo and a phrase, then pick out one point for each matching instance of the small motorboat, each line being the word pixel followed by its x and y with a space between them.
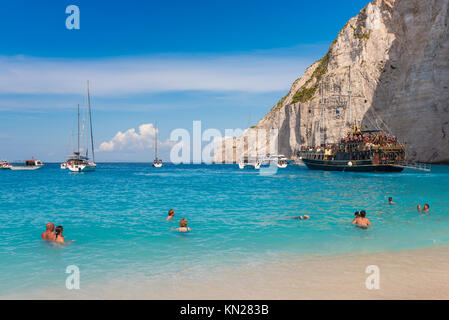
pixel 5 165
pixel 32 164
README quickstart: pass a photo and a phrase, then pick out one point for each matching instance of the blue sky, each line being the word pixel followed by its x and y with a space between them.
pixel 221 62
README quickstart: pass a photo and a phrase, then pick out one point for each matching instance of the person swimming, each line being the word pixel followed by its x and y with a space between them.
pixel 363 221
pixel 59 238
pixel 424 209
pixel 357 216
pixel 183 226
pixel 304 217
pixel 49 234
pixel 390 201
pixel 171 214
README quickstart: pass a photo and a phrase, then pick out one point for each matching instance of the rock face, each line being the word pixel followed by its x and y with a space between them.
pixel 394 57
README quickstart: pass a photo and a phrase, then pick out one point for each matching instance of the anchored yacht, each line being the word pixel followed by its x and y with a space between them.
pixel 78 162
pixel 157 163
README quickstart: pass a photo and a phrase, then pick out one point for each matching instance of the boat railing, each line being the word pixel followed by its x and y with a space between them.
pixel 415 166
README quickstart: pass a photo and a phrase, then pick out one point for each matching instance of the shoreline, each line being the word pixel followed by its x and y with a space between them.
pixel 410 274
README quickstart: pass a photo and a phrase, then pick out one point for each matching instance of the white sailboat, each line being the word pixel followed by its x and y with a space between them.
pixel 157 163
pixel 77 162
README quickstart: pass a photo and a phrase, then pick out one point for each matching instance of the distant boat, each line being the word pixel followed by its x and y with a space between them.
pixel 32 164
pixel 77 162
pixel 157 163
pixel 249 162
pixel 282 162
pixel 5 165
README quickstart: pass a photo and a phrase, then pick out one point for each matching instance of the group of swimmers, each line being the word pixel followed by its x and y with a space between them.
pixel 53 234
pixel 362 221
pixel 182 223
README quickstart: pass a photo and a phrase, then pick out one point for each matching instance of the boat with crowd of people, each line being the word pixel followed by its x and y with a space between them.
pixel 361 151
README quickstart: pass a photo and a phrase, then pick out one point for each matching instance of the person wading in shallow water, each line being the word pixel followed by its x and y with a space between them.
pixel 182 226
pixel 362 221
pixel 59 237
pixel 425 209
pixel 357 216
pixel 171 214
pixel 49 234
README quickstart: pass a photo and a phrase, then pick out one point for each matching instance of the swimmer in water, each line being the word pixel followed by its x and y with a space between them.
pixel 363 221
pixel 59 237
pixel 357 217
pixel 390 201
pixel 425 209
pixel 49 234
pixel 171 214
pixel 304 217
pixel 182 226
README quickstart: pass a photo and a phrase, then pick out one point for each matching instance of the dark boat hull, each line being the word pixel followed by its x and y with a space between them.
pixel 357 166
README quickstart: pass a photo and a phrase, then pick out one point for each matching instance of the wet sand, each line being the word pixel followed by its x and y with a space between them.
pixel 417 274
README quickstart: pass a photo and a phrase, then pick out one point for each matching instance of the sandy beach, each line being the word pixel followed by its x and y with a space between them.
pixel 416 274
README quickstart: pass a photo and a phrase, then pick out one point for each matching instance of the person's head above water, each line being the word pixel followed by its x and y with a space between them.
pixel 58 230
pixel 426 207
pixel 50 226
pixel 357 214
pixel 363 213
pixel 171 212
pixel 390 199
pixel 183 223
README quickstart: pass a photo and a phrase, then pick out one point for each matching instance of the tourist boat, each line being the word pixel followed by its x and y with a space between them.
pixel 157 163
pixel 5 165
pixel 359 151
pixel 78 162
pixel 32 164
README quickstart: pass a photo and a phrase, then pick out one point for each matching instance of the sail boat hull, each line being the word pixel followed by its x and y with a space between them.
pixel 157 164
pixel 82 167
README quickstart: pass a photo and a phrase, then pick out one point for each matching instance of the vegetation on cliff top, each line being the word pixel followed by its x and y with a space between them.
pixel 306 93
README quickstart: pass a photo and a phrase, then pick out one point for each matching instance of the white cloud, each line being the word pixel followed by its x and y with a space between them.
pixel 132 140
pixel 257 72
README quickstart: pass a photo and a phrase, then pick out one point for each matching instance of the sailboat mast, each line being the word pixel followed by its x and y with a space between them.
pixel 90 122
pixel 78 129
pixel 87 131
pixel 349 98
pixel 155 144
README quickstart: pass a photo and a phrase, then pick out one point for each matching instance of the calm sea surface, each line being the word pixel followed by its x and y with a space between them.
pixel 117 217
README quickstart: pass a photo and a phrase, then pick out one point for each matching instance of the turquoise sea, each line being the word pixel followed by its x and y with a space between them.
pixel 117 217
